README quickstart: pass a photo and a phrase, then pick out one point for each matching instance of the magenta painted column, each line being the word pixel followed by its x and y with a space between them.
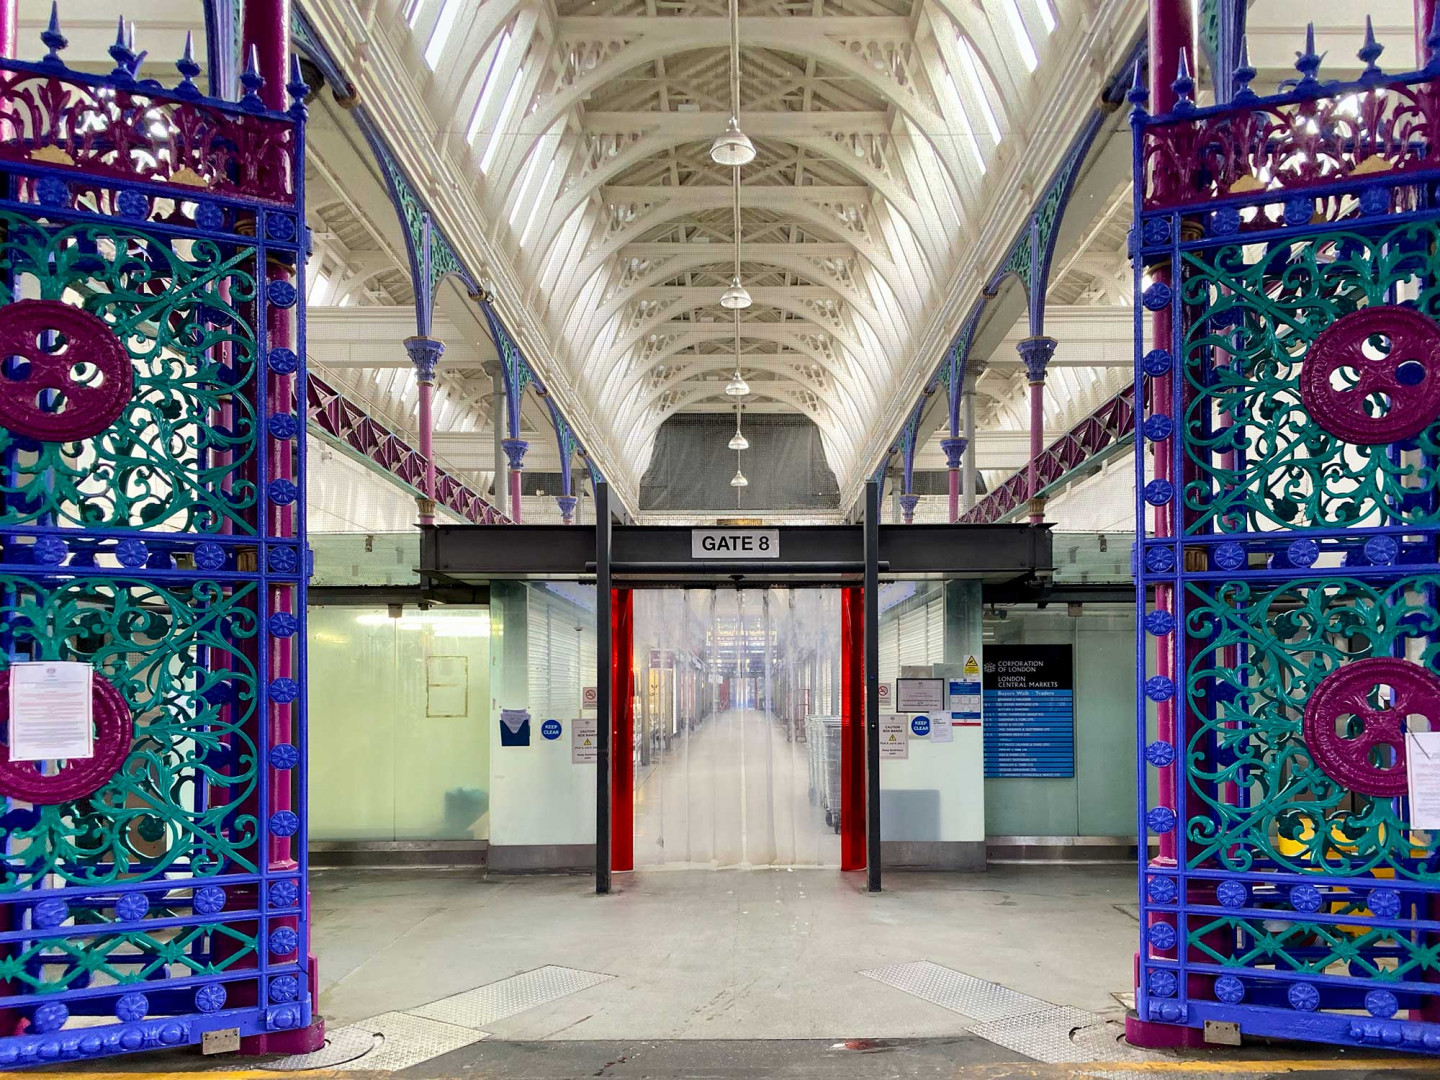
pixel 1036 353
pixel 1424 22
pixel 9 12
pixel 515 452
pixel 425 353
pixel 1170 32
pixel 265 33
pixel 266 29
pixel 954 448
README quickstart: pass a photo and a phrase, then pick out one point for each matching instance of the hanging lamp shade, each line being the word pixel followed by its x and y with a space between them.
pixel 737 387
pixel 736 297
pixel 738 441
pixel 732 147
pixel 738 480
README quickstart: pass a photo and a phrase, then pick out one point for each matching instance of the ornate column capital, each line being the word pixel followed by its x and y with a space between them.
pixel 424 353
pixel 1036 508
pixel 908 502
pixel 954 451
pixel 567 507
pixel 426 507
pixel 1036 353
pixel 515 451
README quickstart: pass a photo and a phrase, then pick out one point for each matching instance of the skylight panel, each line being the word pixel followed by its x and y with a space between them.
pixel 965 128
pixel 492 144
pixel 1047 15
pixel 1022 36
pixel 499 51
pixel 449 11
pixel 412 12
pixel 971 63
pixel 523 191
pixel 536 199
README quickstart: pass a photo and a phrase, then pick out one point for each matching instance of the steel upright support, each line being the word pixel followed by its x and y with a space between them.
pixel 604 663
pixel 872 686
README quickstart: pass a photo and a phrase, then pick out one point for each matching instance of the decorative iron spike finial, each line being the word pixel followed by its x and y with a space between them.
pixel 1184 85
pixel 1138 94
pixel 122 54
pixel 1308 62
pixel 51 36
pixel 252 81
pixel 188 68
pixel 1370 52
pixel 296 87
pixel 1244 73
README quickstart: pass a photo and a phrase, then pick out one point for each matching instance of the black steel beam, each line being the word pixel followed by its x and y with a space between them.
pixel 872 685
pixel 989 552
pixel 605 645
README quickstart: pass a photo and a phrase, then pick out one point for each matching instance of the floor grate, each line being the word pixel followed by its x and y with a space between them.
pixel 486 1004
pixel 957 991
pixel 407 1041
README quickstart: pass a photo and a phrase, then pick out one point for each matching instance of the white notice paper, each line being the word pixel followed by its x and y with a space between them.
pixel 894 735
pixel 585 741
pixel 941 729
pixel 50 715
pixel 1422 772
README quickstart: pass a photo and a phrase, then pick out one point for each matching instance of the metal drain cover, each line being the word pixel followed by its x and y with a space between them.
pixel 342 1045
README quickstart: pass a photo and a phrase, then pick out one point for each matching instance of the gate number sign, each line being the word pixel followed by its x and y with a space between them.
pixel 734 543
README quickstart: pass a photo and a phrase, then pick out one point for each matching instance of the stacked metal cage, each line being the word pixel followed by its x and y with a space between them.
pixel 822 742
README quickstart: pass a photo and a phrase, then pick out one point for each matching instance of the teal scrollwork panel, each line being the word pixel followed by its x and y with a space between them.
pixel 1260 461
pixel 152 542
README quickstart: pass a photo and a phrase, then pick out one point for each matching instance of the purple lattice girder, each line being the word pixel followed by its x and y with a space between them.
pixel 1373 376
pixel 1111 422
pixel 337 416
pixel 1352 691
pixel 64 375
pixel 78 777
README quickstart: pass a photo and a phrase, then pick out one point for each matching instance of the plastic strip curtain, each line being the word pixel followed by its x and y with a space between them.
pixel 733 739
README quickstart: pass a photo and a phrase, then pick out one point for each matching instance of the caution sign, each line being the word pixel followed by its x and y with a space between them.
pixel 894 735
pixel 965 695
pixel 585 741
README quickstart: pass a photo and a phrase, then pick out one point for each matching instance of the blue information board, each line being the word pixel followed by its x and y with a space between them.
pixel 1029 695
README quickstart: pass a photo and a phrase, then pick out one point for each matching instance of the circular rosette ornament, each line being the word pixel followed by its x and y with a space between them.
pixel 64 375
pixel 1355 722
pixel 1372 377
pixel 76 777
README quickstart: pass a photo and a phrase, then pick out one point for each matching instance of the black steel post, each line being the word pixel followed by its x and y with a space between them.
pixel 872 685
pixel 604 661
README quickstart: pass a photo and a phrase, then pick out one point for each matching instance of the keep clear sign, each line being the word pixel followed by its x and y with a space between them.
pixel 585 741
pixel 894 735
pixel 50 711
pixel 734 543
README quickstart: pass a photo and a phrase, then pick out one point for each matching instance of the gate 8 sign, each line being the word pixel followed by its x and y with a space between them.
pixel 735 544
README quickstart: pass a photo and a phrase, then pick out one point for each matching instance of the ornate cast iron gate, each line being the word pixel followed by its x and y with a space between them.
pixel 1290 253
pixel 152 525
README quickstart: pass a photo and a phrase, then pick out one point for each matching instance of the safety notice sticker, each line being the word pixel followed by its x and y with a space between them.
pixel 584 741
pixel 894 735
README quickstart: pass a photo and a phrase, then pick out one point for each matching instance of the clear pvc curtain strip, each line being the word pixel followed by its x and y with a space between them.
pixel 727 776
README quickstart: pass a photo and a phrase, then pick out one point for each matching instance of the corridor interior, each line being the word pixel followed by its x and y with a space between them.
pixel 737 728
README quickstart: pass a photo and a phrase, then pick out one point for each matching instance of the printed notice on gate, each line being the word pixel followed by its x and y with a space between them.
pixel 50 711
pixel 894 735
pixel 585 741
pixel 1422 773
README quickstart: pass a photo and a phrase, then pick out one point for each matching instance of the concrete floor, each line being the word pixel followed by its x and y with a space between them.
pixel 743 974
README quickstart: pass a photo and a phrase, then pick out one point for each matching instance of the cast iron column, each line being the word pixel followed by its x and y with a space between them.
pixel 425 353
pixel 501 485
pixel 515 452
pixel 1036 353
pixel 954 451
pixel 967 402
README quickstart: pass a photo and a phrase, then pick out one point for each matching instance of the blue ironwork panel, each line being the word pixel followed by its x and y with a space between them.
pixel 152 525
pixel 1287 263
